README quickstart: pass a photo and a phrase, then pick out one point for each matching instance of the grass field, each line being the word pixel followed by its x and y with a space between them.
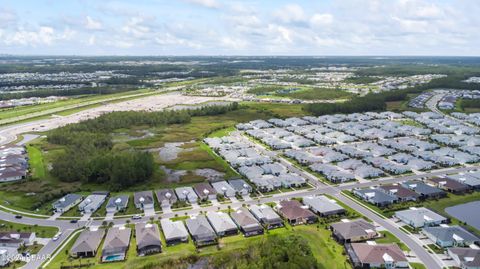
pixel 41 231
pixel 328 253
pixel 36 161
pixel 318 94
pixel 68 106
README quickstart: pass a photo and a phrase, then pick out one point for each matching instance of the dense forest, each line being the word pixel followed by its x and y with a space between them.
pixel 470 103
pixel 89 154
pixel 369 102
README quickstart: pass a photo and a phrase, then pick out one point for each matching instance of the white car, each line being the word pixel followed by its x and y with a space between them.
pixel 135 217
pixel 57 236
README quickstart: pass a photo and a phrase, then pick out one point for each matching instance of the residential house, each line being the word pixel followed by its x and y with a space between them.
pixel 166 197
pixel 68 201
pixel 240 186
pixel 117 204
pixel 295 213
pixel 17 239
pixel 186 194
pixel 465 258
pixel 420 217
pixel 467 179
pixel 267 216
pixel 450 236
pixel 375 197
pixel 364 255
pixel 323 205
pixel 92 203
pixel 13 174
pixel 6 255
pixel 147 236
pixel 205 191
pixel 449 185
pixel 174 231
pixel 222 187
pixel 143 200
pixel 403 194
pixel 426 191
pixel 201 231
pixel 116 244
pixel 247 223
pixel 222 223
pixel 87 243
pixel 357 230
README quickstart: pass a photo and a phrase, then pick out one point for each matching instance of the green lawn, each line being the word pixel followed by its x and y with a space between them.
pixel 436 248
pixel 328 253
pixel 415 265
pixel 43 188
pixel 68 106
pixel 318 94
pixel 390 238
pixel 41 231
pixel 36 161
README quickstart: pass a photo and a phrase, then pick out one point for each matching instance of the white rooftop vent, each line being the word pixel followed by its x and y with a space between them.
pixel 457 237
pixel 469 259
pixel 387 258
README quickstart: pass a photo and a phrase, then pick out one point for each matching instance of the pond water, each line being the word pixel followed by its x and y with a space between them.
pixel 467 213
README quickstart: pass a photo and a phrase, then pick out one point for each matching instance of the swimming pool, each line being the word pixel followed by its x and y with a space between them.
pixel 113 258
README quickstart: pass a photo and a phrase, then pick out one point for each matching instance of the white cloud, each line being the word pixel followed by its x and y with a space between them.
pixel 205 3
pixel 44 36
pixel 135 26
pixel 318 20
pixel 92 24
pixel 7 17
pixel 291 13
pixel 167 39
pixel 234 43
pixel 92 40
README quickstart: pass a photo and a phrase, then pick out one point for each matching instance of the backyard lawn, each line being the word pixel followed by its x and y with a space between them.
pixel 41 231
pixel 328 253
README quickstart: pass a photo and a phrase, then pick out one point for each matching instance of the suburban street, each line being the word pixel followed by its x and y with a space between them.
pixel 9 134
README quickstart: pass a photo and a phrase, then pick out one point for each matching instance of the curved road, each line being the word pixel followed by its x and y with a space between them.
pixel 9 134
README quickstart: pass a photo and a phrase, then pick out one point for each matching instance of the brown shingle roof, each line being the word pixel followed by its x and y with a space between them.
pixel 293 210
pixel 367 253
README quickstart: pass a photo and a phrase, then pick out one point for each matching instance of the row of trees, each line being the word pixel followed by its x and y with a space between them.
pixel 369 102
pixel 470 103
pixel 89 155
pixel 59 92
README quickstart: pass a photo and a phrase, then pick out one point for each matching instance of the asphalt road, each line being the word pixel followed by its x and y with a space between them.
pixel 9 133
pixel 429 260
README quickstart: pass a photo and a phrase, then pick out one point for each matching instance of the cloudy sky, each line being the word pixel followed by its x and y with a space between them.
pixel 221 27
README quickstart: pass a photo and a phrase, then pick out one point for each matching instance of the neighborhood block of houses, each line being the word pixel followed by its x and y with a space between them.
pixel 13 163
